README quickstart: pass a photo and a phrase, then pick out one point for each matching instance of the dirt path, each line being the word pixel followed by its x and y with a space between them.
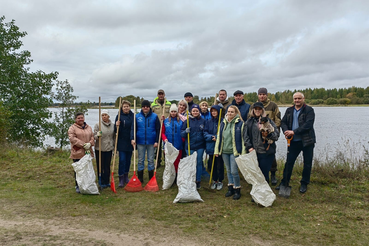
pixel 26 231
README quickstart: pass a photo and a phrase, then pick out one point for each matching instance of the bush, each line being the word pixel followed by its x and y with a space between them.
pixel 331 101
pixel 4 122
pixel 316 101
pixel 344 101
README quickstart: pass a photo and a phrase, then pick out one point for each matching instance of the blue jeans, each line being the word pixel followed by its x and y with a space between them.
pixel 200 169
pixel 232 170
pixel 124 162
pixel 293 151
pixel 142 148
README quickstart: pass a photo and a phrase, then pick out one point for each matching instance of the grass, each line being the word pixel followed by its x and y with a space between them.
pixel 334 211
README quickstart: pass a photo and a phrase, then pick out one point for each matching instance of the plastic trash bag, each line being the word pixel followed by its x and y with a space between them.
pixel 85 175
pixel 169 174
pixel 261 191
pixel 186 180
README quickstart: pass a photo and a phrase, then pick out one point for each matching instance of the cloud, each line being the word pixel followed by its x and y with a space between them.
pixel 136 47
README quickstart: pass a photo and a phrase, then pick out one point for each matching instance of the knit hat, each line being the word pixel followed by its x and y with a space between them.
pixel 188 94
pixel 196 106
pixel 105 111
pixel 173 107
pixel 145 103
pixel 263 90
pixel 258 104
pixel 238 92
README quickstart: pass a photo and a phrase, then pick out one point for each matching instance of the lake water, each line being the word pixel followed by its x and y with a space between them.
pixel 337 129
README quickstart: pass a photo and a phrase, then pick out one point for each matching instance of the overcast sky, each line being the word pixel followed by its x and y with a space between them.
pixel 117 48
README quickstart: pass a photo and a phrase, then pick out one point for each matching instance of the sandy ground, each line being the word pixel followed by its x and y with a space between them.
pixel 26 231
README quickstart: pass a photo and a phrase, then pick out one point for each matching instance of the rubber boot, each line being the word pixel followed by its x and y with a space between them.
pixel 126 179
pixel 230 191
pixel 121 181
pixel 151 174
pixel 140 175
pixel 273 178
pixel 237 194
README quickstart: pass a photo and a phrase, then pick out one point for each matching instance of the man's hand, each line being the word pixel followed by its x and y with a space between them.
pixel 117 123
pixel 289 133
pixel 155 145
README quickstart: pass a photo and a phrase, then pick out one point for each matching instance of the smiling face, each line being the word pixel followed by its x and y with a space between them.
pixel 258 111
pixel 214 112
pixel 238 98
pixel 80 120
pixel 231 113
pixel 195 112
pixel 182 107
pixel 126 108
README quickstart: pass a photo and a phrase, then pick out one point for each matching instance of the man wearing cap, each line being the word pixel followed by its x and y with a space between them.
pixel 240 103
pixel 272 110
pixel 147 136
pixel 298 124
pixel 222 101
pixel 189 99
pixel 159 104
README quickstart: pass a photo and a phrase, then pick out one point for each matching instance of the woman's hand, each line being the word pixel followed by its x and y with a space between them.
pixel 117 123
pixel 155 145
pixel 166 140
pixel 251 149
pixel 133 142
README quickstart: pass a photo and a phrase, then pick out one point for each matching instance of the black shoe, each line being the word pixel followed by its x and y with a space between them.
pixel 273 179
pixel 303 188
pixel 279 186
pixel 237 194
pixel 230 191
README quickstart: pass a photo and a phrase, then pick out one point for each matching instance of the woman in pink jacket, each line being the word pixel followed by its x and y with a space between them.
pixel 81 140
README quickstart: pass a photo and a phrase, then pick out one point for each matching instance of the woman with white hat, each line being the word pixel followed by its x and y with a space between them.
pixel 107 146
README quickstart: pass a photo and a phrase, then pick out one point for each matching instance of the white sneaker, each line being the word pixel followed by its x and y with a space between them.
pixel 213 185
pixel 219 185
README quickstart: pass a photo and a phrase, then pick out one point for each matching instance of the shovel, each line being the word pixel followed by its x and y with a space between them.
pixel 285 190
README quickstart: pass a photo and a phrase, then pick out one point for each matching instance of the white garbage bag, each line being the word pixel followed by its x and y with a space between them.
pixel 169 174
pixel 186 180
pixel 261 191
pixel 85 175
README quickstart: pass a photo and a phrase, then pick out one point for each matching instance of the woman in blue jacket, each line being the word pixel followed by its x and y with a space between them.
pixel 124 145
pixel 197 140
pixel 171 132
pixel 211 128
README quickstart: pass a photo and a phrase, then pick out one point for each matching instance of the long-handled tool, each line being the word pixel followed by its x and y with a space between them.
pixel 100 142
pixel 212 164
pixel 152 185
pixel 285 189
pixel 134 185
pixel 112 184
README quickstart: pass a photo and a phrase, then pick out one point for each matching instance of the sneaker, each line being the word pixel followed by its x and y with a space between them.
pixel 214 185
pixel 198 185
pixel 77 189
pixel 219 185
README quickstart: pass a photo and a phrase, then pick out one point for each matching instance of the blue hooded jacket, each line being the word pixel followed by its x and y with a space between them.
pixel 197 139
pixel 211 128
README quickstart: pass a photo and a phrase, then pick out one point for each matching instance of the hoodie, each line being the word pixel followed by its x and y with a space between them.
pixel 211 128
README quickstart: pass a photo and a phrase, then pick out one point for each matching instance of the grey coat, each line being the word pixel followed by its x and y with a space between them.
pixel 107 138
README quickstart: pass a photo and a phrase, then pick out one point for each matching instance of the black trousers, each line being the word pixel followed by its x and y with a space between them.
pixel 75 174
pixel 218 170
pixel 105 165
pixel 293 151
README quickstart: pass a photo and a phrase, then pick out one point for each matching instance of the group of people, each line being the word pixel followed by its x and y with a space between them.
pixel 227 130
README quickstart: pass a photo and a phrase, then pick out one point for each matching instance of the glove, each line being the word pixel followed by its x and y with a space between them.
pixel 188 129
pixel 99 133
pixel 87 146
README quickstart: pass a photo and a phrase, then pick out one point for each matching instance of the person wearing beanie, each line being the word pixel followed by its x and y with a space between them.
pixel 211 131
pixel 229 145
pixel 197 141
pixel 254 141
pixel 124 145
pixel 171 132
pixel 240 103
pixel 159 105
pixel 222 101
pixel 147 137
pixel 107 145
pixel 205 113
pixel 271 109
pixel 189 99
